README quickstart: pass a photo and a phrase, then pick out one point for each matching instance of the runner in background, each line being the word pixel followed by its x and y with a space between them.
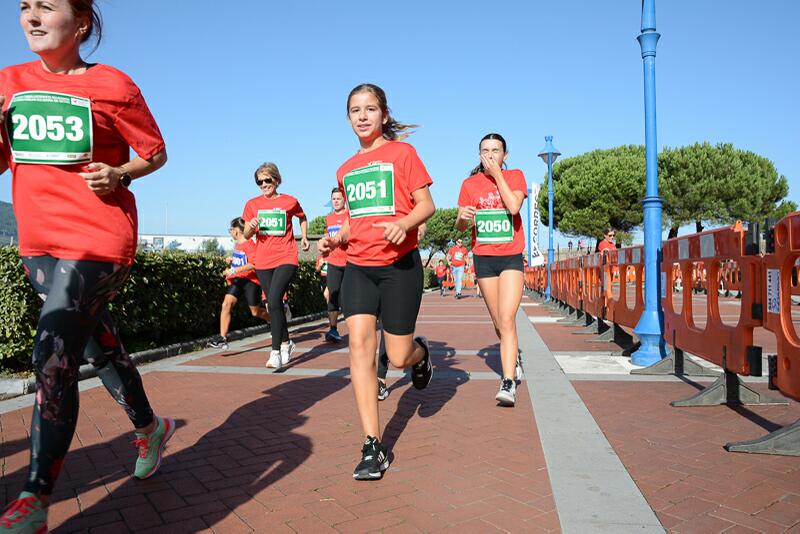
pixel 457 258
pixel 337 260
pixel 383 358
pixel 490 200
pixel 321 266
pixel 441 274
pixel 77 225
pixel 242 283
pixel 607 243
pixel 269 218
pixel 386 186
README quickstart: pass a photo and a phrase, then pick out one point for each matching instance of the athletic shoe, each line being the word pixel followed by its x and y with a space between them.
pixel 383 391
pixel 274 360
pixel 24 515
pixel 458 296
pixel 333 336
pixel 518 371
pixel 507 394
pixel 374 460
pixel 286 351
pixel 422 371
pixel 151 447
pixel 218 342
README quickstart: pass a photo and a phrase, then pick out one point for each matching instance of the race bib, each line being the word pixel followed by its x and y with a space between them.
pixel 239 259
pixel 494 226
pixel 333 230
pixel 370 190
pixel 272 222
pixel 459 256
pixel 50 128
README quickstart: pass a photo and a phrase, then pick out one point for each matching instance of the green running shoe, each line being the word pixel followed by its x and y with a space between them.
pixel 25 515
pixel 151 447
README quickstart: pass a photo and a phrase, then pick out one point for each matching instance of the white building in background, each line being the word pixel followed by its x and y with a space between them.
pixel 188 243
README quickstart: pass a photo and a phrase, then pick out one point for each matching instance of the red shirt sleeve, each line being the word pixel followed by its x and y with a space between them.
pixel 464 196
pixel 516 181
pixel 416 172
pixel 137 126
pixel 248 212
pixel 297 211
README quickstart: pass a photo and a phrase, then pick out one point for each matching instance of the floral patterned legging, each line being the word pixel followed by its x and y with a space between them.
pixel 74 325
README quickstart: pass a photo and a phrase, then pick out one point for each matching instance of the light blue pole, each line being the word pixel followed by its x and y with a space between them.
pixel 549 154
pixel 650 329
pixel 530 237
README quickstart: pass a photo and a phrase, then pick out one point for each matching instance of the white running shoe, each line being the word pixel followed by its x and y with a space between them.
pixel 274 359
pixel 286 352
pixel 518 371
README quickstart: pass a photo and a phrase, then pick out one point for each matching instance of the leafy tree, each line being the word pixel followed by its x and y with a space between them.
pixel 598 189
pixel 211 246
pixel 441 231
pixel 317 226
pixel 719 184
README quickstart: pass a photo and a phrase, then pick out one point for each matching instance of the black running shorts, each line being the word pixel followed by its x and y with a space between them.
pixel 335 276
pixel 247 288
pixel 492 266
pixel 393 293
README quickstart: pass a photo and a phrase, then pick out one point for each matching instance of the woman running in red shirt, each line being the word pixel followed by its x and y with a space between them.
pixel 336 260
pixel 491 200
pixel 69 127
pixel 386 187
pixel 269 217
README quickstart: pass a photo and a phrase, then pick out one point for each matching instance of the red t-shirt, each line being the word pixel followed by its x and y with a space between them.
pixel 57 214
pixel 364 178
pixel 480 191
pixel 457 255
pixel 244 253
pixel 441 271
pixel 333 224
pixel 275 238
pixel 605 245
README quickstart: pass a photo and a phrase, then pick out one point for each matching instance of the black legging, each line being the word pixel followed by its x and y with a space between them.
pixel 275 282
pixel 75 322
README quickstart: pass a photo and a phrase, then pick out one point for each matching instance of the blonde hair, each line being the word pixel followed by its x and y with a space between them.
pixel 271 169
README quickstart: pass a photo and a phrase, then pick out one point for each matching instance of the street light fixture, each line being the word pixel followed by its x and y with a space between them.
pixel 549 154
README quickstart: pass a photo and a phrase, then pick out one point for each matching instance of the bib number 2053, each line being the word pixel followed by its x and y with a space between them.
pixel 50 128
pixel 272 222
pixel 494 226
pixel 370 190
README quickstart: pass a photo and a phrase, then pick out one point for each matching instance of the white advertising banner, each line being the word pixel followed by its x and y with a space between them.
pixel 536 257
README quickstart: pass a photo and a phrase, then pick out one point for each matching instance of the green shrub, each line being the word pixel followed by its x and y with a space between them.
pixel 170 297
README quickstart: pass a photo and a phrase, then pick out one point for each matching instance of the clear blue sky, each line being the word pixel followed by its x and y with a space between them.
pixel 233 84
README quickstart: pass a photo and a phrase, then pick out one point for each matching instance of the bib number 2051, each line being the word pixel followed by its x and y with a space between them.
pixel 272 222
pixel 494 226
pixel 50 128
pixel 370 190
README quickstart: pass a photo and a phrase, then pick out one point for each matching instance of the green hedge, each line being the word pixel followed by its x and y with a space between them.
pixel 170 297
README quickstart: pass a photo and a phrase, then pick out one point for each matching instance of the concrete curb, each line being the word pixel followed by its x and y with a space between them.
pixel 16 387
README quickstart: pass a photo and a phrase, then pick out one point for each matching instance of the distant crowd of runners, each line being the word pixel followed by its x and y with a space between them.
pixel 68 127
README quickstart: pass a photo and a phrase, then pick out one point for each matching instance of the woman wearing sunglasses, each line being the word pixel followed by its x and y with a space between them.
pixel 608 240
pixel 269 217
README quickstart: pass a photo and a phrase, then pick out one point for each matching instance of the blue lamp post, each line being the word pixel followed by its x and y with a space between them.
pixel 549 154
pixel 650 326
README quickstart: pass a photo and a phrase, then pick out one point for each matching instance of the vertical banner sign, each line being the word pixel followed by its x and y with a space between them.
pixel 533 232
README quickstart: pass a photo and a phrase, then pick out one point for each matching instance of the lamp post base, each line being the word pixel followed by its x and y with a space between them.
pixel 652 347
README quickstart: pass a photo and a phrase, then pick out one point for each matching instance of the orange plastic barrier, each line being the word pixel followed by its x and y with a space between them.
pixel 729 347
pixel 593 294
pixel 618 262
pixel 777 298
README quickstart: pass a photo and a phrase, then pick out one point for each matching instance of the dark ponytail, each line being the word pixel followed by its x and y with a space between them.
pixel 496 136
pixel 392 130
pixel 86 8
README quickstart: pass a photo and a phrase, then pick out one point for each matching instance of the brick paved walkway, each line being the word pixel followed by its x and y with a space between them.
pixel 274 452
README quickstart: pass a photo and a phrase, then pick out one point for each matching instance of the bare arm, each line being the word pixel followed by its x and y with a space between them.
pixel 304 233
pixel 396 231
pixel 326 244
pixel 103 178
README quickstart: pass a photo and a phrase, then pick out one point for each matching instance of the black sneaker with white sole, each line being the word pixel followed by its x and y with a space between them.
pixel 383 391
pixel 218 342
pixel 333 336
pixel 422 371
pixel 374 460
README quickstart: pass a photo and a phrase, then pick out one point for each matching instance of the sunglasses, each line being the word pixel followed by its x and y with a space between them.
pixel 264 181
pixel 611 235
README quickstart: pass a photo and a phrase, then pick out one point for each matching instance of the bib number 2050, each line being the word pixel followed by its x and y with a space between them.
pixel 50 128
pixel 370 190
pixel 494 226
